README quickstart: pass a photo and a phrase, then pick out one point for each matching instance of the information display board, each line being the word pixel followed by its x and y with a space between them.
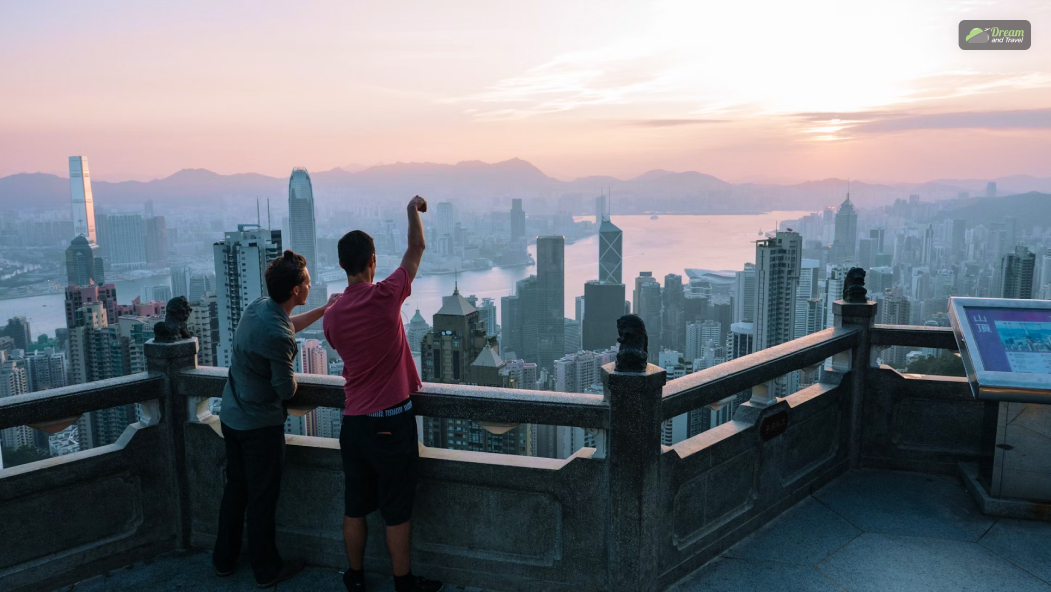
pixel 1006 347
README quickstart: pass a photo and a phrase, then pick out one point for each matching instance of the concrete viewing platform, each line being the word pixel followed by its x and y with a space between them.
pixel 849 483
pixel 868 530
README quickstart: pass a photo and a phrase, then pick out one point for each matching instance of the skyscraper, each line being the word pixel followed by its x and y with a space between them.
pixel 302 237
pixel 83 265
pixel 646 300
pixel 778 262
pixel 603 305
pixel 673 315
pixel 416 331
pixel 445 218
pixel 990 189
pixel 18 329
pixel 610 257
pixel 124 238
pixel 180 278
pixel 156 239
pixel 927 257
pixel 601 209
pixel 241 259
pixel 80 196
pixel 1016 273
pixel 846 238
pixel 808 289
pixel 204 325
pixel 744 295
pixel 517 220
pixel 551 304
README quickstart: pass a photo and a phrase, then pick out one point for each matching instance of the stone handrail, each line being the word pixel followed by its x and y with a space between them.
pixel 718 382
pixel 71 401
pixel 913 336
pixel 477 403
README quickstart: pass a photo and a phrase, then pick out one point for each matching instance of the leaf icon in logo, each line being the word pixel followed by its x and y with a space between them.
pixel 977 35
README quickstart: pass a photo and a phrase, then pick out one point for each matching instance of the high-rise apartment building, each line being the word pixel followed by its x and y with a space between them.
pixel 744 294
pixel 46 370
pixel 84 266
pixel 241 259
pixel 302 238
pixel 846 238
pixel 17 329
pixel 200 283
pixel 79 296
pixel 445 218
pixel 807 290
pixel 701 336
pixel 81 199
pixel 204 325
pixel 1016 273
pixel 777 268
pixel 610 253
pixel 896 310
pixel 551 305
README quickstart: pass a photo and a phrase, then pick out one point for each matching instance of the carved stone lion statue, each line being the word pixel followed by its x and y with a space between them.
pixel 854 286
pixel 174 326
pixel 634 344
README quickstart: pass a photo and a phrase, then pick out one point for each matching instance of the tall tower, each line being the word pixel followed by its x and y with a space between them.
pixel 517 220
pixel 302 236
pixel 610 258
pixel 241 259
pixel 846 238
pixel 551 305
pixel 80 195
pixel 646 300
pixel 744 295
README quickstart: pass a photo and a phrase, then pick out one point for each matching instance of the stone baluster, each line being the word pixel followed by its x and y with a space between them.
pixel 169 359
pixel 855 310
pixel 634 449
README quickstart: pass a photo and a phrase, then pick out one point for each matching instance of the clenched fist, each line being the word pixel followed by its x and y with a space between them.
pixel 418 203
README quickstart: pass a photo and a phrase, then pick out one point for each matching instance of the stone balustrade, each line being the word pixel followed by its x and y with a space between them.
pixel 631 515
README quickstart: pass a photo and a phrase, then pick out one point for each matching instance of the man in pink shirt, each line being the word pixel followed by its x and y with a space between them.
pixel 378 440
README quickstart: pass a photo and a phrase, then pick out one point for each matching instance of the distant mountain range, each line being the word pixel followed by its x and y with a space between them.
pixel 490 185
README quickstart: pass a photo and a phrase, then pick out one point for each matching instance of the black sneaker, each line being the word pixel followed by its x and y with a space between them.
pixel 223 573
pixel 422 584
pixel 289 569
pixel 354 584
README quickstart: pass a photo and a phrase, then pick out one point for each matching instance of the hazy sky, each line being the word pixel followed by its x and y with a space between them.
pixel 744 90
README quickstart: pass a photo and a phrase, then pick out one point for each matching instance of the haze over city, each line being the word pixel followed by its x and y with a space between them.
pixel 745 91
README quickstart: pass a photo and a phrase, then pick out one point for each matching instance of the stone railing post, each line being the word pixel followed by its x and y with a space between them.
pixel 169 359
pixel 863 316
pixel 634 454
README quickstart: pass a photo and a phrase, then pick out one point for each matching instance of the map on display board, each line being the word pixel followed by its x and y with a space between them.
pixel 1012 339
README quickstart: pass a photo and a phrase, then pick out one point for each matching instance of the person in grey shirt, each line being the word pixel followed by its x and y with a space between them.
pixel 259 382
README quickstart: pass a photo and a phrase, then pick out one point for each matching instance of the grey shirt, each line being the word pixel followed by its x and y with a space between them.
pixel 261 375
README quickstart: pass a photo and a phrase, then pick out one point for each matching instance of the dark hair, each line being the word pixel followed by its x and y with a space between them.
pixel 355 251
pixel 284 273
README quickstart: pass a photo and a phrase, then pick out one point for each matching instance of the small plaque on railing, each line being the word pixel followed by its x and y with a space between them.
pixel 773 425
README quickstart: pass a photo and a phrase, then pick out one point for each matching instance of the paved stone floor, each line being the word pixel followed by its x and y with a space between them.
pixel 192 572
pixel 884 531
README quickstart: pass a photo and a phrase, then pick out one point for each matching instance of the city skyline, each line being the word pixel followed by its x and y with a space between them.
pixel 634 90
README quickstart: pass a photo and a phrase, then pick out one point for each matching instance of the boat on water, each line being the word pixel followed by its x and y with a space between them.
pixel 654 217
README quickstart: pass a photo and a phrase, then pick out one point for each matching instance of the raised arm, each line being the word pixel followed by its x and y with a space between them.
pixel 303 320
pixel 411 260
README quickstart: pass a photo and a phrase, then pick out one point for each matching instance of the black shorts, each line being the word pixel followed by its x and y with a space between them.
pixel 380 458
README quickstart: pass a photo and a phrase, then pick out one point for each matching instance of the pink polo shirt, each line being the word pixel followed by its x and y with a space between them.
pixel 365 328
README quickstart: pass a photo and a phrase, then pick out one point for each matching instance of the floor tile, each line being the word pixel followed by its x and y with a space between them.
pixel 745 575
pixel 1026 543
pixel 890 563
pixel 804 534
pixel 910 504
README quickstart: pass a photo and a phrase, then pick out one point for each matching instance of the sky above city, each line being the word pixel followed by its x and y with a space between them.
pixel 765 91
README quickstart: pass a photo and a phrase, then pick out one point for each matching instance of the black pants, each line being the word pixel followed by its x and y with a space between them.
pixel 254 460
